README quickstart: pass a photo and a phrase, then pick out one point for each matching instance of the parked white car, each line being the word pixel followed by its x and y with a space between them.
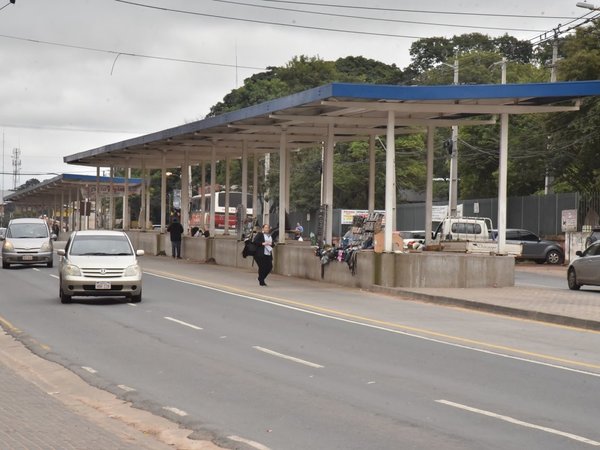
pixel 99 263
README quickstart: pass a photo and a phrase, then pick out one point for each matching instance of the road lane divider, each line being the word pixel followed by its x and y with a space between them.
pixel 181 322
pixel 392 327
pixel 253 444
pixel 174 410
pixel 520 422
pixel 125 388
pixel 288 357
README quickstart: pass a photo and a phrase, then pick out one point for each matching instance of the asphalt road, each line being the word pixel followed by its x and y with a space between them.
pixel 257 370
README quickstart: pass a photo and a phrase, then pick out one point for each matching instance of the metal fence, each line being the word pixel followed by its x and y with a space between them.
pixel 541 214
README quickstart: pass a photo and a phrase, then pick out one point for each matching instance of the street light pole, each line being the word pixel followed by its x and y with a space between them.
pixel 453 188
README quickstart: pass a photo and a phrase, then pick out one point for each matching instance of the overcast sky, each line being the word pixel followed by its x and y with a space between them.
pixel 64 90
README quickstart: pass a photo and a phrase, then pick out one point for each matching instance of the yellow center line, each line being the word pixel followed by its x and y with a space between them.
pixel 382 323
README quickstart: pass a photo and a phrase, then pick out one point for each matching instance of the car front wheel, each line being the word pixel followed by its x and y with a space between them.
pixel 64 298
pixel 572 280
pixel 136 298
pixel 554 257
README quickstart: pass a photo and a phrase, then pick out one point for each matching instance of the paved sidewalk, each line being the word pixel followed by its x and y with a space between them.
pixel 44 406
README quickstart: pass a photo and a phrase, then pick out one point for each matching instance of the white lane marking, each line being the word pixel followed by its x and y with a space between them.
pixel 183 323
pixel 382 328
pixel 54 276
pixel 248 442
pixel 126 388
pixel 132 304
pixel 520 422
pixel 36 269
pixel 89 369
pixel 290 358
pixel 174 410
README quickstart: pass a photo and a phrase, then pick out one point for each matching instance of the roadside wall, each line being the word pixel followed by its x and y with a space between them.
pixel 297 259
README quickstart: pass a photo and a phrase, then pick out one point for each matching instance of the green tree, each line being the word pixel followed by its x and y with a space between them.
pixel 574 137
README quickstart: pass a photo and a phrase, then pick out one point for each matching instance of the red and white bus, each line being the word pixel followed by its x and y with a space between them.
pixel 201 217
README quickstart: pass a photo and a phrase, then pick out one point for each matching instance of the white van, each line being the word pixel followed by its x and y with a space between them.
pixel 464 229
pixel 27 241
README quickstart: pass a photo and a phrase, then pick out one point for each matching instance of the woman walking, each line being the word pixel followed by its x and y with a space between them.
pixel 264 253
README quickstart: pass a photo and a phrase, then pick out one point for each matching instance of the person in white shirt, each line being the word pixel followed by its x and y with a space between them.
pixel 264 253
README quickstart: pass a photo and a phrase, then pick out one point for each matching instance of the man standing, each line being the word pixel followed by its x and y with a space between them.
pixel 175 230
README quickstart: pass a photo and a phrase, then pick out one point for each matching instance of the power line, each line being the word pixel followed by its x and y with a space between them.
pixel 118 53
pixel 413 22
pixel 9 3
pixel 265 22
pixel 372 8
pixel 560 30
pixel 56 128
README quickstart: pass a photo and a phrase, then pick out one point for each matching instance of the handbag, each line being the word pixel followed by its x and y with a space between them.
pixel 250 248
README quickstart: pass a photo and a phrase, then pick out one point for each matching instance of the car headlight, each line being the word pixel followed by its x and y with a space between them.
pixel 71 270
pixel 132 271
pixel 8 247
pixel 46 247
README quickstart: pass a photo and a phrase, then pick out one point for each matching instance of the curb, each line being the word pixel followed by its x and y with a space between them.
pixel 491 308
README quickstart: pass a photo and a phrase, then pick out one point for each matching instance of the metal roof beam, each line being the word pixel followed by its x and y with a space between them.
pixel 453 108
pixel 365 121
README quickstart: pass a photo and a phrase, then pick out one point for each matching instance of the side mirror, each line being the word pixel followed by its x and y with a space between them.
pixel 579 253
pixel 61 252
pixel 139 252
pixel 53 237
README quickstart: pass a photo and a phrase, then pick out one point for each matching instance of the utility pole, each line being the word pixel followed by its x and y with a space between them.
pixel 453 188
pixel 549 180
pixel 554 58
pixel 16 163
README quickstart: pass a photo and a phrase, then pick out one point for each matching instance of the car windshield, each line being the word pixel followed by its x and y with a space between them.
pixel 28 230
pixel 100 246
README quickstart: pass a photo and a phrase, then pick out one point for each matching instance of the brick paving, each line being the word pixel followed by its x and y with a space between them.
pixel 31 419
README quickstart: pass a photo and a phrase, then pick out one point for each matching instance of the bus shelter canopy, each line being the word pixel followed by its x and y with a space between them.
pixel 48 191
pixel 354 111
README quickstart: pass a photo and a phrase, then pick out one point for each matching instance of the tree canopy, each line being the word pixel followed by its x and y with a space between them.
pixel 561 145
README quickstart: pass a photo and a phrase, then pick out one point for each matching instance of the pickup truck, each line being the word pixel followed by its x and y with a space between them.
pixel 470 235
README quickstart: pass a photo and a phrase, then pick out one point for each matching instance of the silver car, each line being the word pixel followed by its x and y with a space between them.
pixel 99 263
pixel 586 268
pixel 27 241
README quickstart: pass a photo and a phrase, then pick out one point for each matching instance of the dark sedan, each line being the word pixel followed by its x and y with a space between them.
pixel 534 248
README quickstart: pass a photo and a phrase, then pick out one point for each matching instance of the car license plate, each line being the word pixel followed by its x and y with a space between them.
pixel 27 258
pixel 102 285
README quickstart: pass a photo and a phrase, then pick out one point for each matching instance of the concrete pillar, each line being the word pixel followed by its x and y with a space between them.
pixel 502 183
pixel 111 206
pixel 126 215
pixel 164 210
pixel 213 183
pixel 185 192
pixel 372 167
pixel 429 188
pixel 390 183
